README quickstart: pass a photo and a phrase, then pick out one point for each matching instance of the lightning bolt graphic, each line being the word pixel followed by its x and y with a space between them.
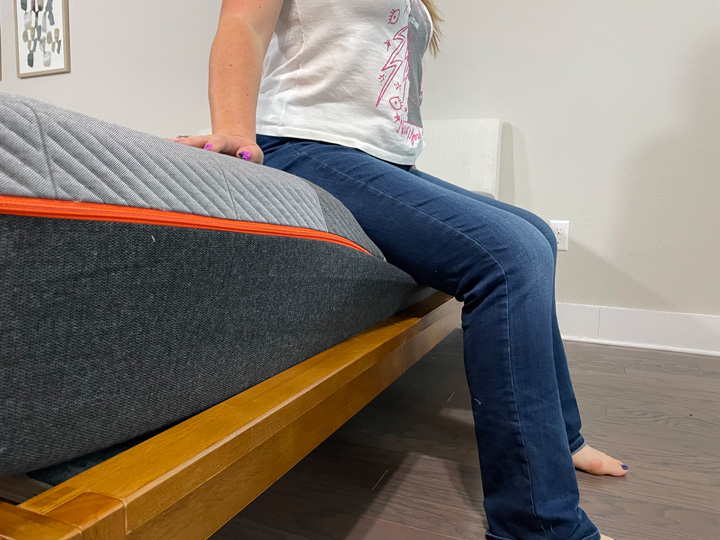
pixel 393 62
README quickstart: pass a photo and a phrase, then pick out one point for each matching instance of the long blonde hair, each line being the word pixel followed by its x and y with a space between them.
pixel 436 19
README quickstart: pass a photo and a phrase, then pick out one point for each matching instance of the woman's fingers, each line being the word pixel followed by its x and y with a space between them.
pixel 198 141
pixel 233 145
pixel 250 152
pixel 216 143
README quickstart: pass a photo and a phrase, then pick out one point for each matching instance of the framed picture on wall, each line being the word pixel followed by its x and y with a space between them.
pixel 42 37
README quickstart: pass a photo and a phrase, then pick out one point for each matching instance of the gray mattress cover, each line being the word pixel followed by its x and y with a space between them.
pixel 112 331
pixel 52 153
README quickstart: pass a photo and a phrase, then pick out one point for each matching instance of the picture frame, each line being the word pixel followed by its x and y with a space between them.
pixel 42 37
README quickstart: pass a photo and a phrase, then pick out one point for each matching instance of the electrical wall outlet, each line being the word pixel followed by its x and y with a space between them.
pixel 562 233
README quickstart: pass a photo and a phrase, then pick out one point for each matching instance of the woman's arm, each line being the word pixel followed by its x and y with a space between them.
pixel 236 59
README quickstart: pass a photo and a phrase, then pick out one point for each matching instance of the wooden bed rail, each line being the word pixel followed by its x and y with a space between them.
pixel 188 481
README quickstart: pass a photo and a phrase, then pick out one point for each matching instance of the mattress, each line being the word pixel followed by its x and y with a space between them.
pixel 143 281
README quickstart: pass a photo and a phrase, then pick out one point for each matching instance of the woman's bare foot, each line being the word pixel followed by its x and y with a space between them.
pixel 603 537
pixel 595 462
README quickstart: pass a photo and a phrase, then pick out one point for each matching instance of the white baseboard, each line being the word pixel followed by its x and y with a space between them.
pixel 682 332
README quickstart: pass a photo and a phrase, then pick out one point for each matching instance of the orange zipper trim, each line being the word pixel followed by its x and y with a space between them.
pixel 87 211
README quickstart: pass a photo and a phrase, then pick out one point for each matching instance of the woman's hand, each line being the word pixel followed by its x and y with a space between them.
pixel 233 145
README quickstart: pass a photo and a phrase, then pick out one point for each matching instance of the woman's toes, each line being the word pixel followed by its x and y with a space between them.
pixel 595 462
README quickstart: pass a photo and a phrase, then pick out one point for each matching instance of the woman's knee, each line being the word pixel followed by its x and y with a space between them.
pixel 521 264
pixel 544 229
pixel 540 254
pixel 530 256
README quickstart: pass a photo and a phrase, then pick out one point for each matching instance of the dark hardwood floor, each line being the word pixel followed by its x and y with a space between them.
pixel 405 467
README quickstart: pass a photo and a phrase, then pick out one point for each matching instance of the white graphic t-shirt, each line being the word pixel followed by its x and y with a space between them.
pixel 348 72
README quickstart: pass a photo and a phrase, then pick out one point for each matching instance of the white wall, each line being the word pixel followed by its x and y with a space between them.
pixel 613 109
pixel 137 63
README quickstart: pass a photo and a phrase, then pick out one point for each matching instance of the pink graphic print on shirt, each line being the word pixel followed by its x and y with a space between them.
pixel 401 76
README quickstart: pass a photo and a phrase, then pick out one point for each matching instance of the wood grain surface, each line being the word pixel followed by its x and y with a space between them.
pixel 20 488
pixel 19 524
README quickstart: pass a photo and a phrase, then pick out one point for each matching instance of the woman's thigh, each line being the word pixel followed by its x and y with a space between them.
pixel 531 218
pixel 439 236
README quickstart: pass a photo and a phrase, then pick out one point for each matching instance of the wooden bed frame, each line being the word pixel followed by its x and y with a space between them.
pixel 188 481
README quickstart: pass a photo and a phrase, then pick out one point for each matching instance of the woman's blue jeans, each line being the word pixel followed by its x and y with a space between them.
pixel 499 261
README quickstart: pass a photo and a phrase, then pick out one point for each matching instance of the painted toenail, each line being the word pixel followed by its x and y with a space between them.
pixel 625 467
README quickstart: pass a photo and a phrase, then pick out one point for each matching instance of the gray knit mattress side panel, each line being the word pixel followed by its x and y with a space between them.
pixel 49 152
pixel 109 331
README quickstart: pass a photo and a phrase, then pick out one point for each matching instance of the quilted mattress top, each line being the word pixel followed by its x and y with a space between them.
pixel 59 155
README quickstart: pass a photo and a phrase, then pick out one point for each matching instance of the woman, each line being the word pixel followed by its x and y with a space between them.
pixel 339 105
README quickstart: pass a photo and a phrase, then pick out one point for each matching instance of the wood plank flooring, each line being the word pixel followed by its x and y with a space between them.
pixel 405 467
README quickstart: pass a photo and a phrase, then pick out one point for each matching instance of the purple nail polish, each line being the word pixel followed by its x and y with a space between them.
pixel 625 467
pixel 208 146
pixel 246 155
